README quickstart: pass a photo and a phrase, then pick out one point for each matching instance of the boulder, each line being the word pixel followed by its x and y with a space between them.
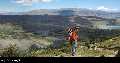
pixel 37 46
pixel 57 43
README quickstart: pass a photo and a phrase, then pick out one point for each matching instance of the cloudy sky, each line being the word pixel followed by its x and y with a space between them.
pixel 26 5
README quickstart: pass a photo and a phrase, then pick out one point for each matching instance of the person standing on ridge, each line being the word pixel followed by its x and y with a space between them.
pixel 73 38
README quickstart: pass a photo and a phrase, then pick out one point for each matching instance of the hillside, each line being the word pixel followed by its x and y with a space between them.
pixel 23 44
pixel 108 48
pixel 14 34
pixel 92 27
pixel 41 33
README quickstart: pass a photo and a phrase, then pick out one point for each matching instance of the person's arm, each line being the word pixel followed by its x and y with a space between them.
pixel 77 38
pixel 70 34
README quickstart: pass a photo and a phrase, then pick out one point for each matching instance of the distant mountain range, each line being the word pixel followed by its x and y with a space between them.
pixel 51 21
pixel 54 19
pixel 68 12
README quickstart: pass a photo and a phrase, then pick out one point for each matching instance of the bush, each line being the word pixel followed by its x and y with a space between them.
pixel 11 51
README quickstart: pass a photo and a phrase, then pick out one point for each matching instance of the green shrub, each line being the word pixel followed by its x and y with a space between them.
pixel 11 51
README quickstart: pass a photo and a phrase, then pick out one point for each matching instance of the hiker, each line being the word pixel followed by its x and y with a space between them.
pixel 73 37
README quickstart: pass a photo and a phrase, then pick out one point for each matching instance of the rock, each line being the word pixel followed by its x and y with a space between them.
pixel 57 43
pixel 37 46
pixel 115 52
pixel 95 48
pixel 118 54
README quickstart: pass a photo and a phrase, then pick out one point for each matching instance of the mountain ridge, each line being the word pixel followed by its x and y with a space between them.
pixel 68 12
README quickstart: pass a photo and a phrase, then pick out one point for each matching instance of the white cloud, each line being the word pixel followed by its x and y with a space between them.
pixel 106 9
pixel 30 2
pixel 90 8
pixel 45 0
pixel 6 10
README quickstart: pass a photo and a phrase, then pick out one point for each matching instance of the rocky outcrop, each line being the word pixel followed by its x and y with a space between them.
pixel 58 43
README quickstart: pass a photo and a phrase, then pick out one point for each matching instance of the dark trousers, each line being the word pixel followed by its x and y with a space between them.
pixel 74 48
